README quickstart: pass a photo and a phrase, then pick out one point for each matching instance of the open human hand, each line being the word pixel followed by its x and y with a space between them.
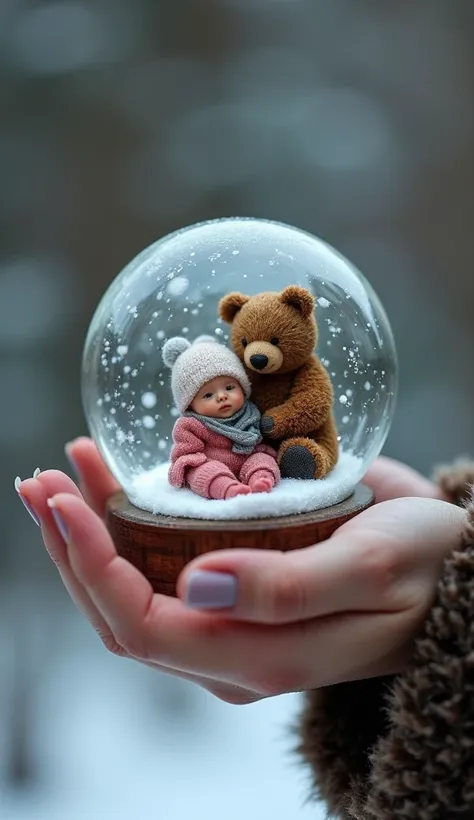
pixel 249 624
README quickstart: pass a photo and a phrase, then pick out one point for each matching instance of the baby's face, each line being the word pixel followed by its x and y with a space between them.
pixel 219 398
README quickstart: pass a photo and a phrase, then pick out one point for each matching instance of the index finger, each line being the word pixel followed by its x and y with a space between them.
pixel 96 481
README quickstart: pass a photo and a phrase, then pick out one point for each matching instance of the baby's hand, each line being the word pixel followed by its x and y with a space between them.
pixel 254 623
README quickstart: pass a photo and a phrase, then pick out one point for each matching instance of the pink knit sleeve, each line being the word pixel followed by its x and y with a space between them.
pixel 187 450
pixel 264 448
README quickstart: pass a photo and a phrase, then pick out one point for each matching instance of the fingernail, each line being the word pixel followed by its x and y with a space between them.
pixel 60 523
pixel 69 456
pixel 26 503
pixel 36 472
pixel 211 590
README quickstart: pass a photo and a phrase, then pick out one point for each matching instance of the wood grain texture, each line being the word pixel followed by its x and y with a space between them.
pixel 161 546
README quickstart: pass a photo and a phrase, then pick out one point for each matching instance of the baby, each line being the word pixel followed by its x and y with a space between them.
pixel 217 450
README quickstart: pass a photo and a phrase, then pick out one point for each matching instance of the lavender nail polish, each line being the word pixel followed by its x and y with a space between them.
pixel 26 503
pixel 211 590
pixel 70 458
pixel 60 523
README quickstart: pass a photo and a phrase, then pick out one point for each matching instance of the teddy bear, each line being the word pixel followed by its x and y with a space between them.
pixel 275 335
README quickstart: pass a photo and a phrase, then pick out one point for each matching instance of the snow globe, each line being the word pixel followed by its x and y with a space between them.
pixel 174 288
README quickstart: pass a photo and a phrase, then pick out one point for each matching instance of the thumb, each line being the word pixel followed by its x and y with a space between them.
pixel 388 558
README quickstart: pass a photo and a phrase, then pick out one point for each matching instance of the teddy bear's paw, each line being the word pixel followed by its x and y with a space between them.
pixel 266 424
pixel 298 462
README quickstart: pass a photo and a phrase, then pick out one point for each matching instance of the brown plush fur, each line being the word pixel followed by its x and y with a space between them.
pixel 455 480
pixel 402 748
pixel 294 389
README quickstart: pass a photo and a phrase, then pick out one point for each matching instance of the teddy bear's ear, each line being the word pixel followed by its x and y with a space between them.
pixel 298 298
pixel 230 305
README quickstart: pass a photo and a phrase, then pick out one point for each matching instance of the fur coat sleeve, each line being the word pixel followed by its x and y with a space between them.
pixel 402 747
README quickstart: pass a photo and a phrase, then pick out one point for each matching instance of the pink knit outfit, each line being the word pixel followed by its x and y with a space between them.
pixel 203 461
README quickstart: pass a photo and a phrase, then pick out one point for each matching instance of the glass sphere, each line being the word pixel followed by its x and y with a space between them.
pixel 172 288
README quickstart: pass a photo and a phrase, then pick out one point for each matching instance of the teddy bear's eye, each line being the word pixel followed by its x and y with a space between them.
pixel 244 342
pixel 274 340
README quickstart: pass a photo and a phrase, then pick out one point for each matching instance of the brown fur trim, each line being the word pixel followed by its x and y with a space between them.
pixel 424 767
pixel 339 726
pixel 456 480
pixel 403 748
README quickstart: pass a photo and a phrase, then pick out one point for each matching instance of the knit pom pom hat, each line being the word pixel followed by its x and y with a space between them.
pixel 192 365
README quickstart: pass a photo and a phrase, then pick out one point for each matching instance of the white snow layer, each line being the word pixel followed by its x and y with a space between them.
pixel 151 491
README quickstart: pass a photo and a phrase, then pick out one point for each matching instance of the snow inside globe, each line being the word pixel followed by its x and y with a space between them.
pixel 173 289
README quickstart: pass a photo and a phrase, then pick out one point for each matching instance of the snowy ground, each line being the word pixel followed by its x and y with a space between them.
pixel 151 491
pixel 115 740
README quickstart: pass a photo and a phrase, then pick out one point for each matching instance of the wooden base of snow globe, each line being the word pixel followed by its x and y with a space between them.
pixel 160 546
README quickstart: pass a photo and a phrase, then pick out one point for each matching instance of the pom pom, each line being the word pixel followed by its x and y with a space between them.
pixel 205 340
pixel 173 348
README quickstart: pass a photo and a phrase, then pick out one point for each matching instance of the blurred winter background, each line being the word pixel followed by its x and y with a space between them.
pixel 121 120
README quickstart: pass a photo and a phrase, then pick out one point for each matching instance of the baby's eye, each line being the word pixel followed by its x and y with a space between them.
pixel 230 387
pixel 207 396
pixel 274 340
pixel 244 342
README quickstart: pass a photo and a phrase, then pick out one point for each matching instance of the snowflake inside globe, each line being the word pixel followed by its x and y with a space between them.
pixel 231 279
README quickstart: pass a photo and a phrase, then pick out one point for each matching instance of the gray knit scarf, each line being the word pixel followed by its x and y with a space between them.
pixel 243 428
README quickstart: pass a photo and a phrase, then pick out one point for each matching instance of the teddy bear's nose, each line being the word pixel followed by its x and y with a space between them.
pixel 259 361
